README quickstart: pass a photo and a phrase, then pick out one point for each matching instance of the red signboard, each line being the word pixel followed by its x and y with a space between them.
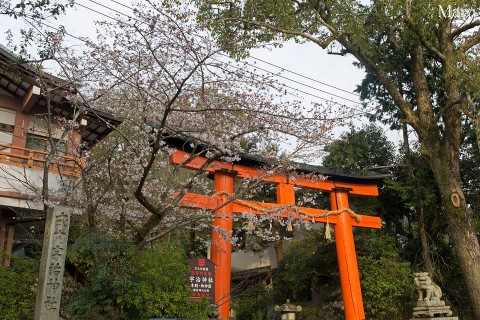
pixel 201 278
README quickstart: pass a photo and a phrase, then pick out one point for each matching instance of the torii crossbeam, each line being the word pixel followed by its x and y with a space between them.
pixel 338 186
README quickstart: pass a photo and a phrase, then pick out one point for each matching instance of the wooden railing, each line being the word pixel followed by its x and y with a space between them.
pixel 36 159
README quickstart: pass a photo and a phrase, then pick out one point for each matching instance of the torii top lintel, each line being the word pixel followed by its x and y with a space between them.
pixel 249 168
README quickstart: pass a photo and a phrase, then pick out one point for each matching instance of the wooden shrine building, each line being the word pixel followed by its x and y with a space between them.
pixel 24 146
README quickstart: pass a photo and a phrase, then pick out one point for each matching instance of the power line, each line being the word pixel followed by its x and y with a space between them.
pixel 314 95
pixel 251 65
pixel 270 72
pixel 109 8
pixel 61 30
pixel 269 63
pixel 298 82
pixel 260 60
pixel 123 5
pixel 306 77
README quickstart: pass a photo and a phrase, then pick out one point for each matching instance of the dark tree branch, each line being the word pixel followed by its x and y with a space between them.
pixel 409 22
pixel 470 42
pixel 464 28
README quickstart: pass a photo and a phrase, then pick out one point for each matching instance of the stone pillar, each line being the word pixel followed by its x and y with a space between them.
pixel 52 264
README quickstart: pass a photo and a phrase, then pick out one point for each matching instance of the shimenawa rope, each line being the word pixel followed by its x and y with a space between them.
pixel 296 209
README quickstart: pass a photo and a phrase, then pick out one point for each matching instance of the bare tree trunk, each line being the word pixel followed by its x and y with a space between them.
pixel 123 219
pixel 461 229
pixel 193 236
pixel 45 182
pixel 477 128
pixel 422 232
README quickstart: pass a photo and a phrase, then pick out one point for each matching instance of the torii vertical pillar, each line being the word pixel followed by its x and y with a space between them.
pixel 347 259
pixel 221 248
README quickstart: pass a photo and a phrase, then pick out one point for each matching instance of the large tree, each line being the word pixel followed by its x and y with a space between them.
pixel 422 60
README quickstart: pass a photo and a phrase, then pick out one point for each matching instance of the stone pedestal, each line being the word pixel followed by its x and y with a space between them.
pixel 432 310
pixel 430 305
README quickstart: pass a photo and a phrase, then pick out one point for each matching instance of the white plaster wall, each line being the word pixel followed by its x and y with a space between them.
pixel 28 182
pixel 25 180
pixel 246 260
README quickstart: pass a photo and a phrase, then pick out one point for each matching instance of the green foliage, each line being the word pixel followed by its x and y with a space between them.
pixel 18 283
pixel 229 34
pixel 160 289
pixel 101 262
pixel 363 148
pixel 386 278
pixel 417 190
pixel 120 283
pixel 470 159
pixel 308 263
pixel 360 149
pixel 310 266
pixel 242 25
pixel 252 303
pixel 328 312
pixel 416 187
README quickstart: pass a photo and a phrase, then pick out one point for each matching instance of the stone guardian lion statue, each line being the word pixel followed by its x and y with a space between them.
pixel 427 289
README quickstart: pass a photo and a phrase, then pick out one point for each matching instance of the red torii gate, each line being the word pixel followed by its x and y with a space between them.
pixel 342 217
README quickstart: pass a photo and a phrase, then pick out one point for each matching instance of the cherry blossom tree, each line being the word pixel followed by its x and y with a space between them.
pixel 161 73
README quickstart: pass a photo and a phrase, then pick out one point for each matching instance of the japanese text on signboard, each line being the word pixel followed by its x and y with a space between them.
pixel 201 277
